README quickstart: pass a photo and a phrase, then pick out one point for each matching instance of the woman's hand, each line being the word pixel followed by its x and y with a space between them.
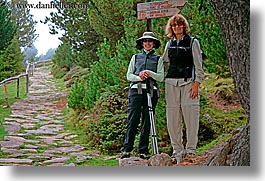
pixel 194 90
pixel 144 75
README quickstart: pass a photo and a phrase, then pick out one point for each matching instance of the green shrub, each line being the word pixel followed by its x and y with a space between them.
pixel 63 56
pixel 107 130
pixel 58 72
pixel 78 91
pixel 107 134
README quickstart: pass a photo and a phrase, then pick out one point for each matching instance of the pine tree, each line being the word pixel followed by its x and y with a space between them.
pixel 7 27
pixel 11 60
pixel 78 32
pixel 25 23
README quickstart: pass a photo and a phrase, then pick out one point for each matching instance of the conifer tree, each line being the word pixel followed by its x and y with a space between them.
pixel 7 27
pixel 77 29
pixel 25 23
pixel 11 60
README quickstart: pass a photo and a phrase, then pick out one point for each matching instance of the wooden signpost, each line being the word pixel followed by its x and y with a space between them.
pixel 158 9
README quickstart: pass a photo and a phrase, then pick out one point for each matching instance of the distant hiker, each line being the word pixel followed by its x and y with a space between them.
pixel 144 65
pixel 183 64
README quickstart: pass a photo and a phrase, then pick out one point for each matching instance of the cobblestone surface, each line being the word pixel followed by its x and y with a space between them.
pixel 36 134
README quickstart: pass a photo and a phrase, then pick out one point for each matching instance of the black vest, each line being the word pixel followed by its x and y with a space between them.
pixel 180 58
pixel 145 61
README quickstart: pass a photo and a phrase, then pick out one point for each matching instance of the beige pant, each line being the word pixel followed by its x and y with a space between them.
pixel 181 107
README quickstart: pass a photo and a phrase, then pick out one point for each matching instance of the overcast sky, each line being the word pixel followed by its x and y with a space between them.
pixel 45 39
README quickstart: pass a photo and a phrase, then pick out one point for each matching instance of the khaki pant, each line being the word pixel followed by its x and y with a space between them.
pixel 180 107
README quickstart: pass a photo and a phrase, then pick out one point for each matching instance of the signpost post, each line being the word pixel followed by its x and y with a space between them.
pixel 158 9
pixel 148 21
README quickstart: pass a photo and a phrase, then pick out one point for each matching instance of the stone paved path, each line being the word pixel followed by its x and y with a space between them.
pixel 36 135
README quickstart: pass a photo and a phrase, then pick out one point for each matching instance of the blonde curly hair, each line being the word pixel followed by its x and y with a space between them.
pixel 177 19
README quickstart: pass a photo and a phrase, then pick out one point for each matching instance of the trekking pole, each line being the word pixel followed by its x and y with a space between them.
pixel 152 120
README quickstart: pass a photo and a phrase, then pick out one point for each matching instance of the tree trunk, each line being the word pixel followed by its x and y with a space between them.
pixel 233 18
pixel 236 152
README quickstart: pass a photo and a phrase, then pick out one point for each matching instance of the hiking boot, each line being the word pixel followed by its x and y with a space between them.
pixel 191 152
pixel 144 156
pixel 179 157
pixel 125 155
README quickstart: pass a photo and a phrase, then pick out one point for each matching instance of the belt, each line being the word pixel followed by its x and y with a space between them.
pixel 139 86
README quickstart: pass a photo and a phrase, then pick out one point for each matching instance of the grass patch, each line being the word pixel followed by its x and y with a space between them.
pixel 4 154
pixel 42 149
pixel 101 162
pixel 225 122
pixel 22 146
pixel 3 133
pixel 5 111
pixel 49 67
pixel 95 161
pixel 213 82
pixel 60 85
pixel 30 137
pixel 206 147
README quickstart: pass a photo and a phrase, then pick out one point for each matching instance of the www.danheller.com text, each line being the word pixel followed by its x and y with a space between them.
pixel 51 5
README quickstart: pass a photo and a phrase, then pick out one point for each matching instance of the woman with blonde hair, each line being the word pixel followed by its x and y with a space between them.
pixel 183 64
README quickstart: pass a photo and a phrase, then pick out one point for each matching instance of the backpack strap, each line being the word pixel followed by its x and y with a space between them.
pixel 135 58
pixel 193 67
pixel 170 42
pixel 191 41
pixel 139 84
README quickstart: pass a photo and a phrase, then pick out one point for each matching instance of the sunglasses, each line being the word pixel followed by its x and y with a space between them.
pixel 147 40
pixel 177 24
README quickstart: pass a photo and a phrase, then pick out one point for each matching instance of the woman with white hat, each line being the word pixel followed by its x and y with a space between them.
pixel 144 65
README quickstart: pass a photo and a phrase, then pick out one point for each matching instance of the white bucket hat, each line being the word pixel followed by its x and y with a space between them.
pixel 147 35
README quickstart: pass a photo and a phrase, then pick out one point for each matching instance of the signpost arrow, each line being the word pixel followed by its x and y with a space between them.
pixel 160 5
pixel 157 13
pixel 158 9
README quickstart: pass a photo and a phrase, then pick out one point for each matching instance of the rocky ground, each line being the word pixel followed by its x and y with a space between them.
pixel 36 134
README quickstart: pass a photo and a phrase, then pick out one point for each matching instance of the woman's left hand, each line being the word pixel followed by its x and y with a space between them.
pixel 194 90
pixel 144 75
